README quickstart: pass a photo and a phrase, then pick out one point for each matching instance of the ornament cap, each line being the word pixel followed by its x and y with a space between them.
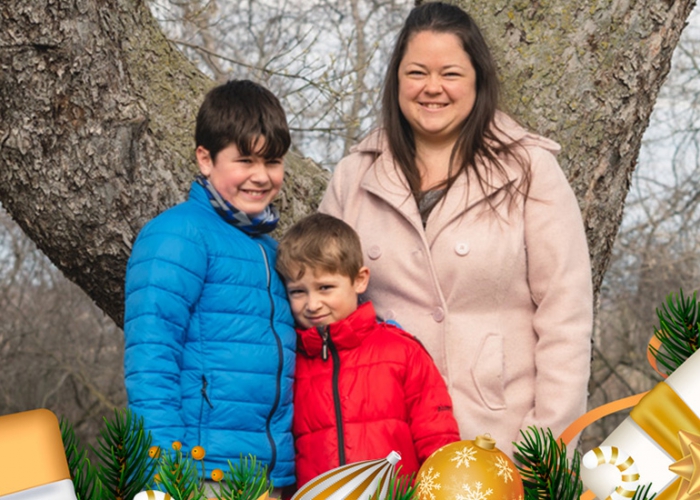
pixel 393 457
pixel 485 441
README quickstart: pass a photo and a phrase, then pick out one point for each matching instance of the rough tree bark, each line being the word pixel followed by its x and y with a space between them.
pixel 587 74
pixel 96 133
pixel 96 115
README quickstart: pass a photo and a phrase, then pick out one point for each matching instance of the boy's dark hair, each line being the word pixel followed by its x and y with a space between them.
pixel 319 242
pixel 239 112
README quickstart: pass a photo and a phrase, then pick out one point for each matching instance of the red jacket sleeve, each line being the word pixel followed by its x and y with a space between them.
pixel 429 404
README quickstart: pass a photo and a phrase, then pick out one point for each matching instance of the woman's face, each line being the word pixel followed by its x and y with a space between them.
pixel 437 86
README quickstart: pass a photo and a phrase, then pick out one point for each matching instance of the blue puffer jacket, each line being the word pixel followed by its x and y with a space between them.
pixel 209 354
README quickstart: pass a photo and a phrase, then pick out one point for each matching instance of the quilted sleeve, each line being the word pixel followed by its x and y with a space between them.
pixel 429 405
pixel 164 280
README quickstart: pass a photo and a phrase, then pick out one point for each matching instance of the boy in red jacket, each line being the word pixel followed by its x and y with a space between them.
pixel 362 388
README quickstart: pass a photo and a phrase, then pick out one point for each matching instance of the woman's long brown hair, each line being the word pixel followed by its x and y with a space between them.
pixel 478 138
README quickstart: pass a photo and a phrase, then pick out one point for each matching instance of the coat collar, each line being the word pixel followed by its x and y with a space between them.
pixel 345 334
pixel 385 180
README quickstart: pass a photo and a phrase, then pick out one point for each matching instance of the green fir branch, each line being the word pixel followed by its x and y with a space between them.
pixel 642 493
pixel 545 469
pixel 178 476
pixel 399 488
pixel 125 467
pixel 678 331
pixel 246 480
pixel 86 482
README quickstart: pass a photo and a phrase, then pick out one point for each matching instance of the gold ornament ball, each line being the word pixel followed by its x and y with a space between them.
pixel 468 470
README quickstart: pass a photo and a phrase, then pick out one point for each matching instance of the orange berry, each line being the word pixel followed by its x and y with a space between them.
pixel 154 452
pixel 156 478
pixel 198 453
pixel 217 475
pixel 177 445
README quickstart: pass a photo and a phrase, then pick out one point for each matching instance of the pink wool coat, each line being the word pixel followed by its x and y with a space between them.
pixel 503 302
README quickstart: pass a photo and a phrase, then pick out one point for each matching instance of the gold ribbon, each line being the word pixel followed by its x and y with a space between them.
pixel 670 422
pixel 597 413
pixel 652 349
pixel 661 414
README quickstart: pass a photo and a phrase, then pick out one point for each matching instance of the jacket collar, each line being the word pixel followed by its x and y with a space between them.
pixel 345 334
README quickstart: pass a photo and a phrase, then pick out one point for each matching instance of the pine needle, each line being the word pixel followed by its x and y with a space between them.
pixel 125 467
pixel 246 480
pixel 85 479
pixel 399 488
pixel 545 469
pixel 179 477
pixel 642 493
pixel 678 331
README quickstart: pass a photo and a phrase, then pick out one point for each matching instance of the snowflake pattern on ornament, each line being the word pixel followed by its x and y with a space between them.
pixel 475 494
pixel 464 456
pixel 504 469
pixel 428 484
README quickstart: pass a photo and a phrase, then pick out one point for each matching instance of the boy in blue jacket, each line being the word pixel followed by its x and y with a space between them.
pixel 209 354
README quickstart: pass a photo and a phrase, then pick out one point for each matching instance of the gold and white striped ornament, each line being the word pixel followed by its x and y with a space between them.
pixel 629 472
pixel 152 495
pixel 355 481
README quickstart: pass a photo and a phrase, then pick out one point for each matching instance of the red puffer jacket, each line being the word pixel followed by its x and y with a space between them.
pixel 371 389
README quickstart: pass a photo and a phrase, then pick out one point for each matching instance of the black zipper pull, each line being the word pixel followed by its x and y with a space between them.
pixel 323 332
pixel 204 392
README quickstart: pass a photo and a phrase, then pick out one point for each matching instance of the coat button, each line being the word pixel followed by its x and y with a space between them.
pixel 374 252
pixel 438 314
pixel 462 248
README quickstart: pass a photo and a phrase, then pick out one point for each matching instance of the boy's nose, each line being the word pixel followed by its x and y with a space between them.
pixel 258 172
pixel 313 303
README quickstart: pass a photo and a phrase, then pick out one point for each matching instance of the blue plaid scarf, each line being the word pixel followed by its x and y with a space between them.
pixel 263 223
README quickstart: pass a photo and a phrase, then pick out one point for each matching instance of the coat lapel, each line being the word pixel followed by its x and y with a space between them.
pixel 385 180
pixel 462 197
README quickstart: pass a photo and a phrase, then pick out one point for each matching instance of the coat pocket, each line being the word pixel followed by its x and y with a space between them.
pixel 488 372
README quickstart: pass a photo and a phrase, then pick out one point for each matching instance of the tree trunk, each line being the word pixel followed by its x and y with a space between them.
pixel 97 114
pixel 96 133
pixel 586 74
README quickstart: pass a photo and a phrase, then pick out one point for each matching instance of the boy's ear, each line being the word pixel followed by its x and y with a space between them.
pixel 361 281
pixel 204 161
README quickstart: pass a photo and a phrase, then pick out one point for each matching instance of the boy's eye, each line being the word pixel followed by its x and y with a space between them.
pixel 294 292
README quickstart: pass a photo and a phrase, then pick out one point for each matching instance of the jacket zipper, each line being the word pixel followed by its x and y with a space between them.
pixel 280 366
pixel 328 345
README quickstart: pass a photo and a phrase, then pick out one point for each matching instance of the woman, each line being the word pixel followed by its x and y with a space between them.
pixel 473 237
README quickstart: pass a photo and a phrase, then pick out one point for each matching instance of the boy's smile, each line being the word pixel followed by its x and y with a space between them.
pixel 320 298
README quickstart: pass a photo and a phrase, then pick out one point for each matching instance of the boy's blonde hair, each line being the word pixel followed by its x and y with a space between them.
pixel 319 242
